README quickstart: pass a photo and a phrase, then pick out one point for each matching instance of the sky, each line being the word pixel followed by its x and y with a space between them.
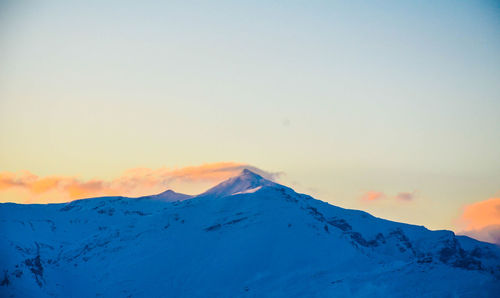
pixel 391 107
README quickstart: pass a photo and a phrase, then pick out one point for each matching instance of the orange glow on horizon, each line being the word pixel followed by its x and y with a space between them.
pixel 29 188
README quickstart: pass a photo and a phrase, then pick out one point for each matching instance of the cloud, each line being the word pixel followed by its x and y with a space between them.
pixel 481 220
pixel 481 214
pixel 405 196
pixel 371 196
pixel 488 234
pixel 134 182
pixel 375 196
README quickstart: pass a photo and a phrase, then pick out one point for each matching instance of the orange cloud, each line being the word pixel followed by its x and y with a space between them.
pixel 481 214
pixel 370 196
pixel 481 220
pixel 134 182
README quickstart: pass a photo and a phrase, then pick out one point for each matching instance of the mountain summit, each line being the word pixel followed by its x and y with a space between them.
pixel 255 238
pixel 246 182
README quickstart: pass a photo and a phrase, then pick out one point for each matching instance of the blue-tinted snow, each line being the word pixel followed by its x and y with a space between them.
pixel 245 237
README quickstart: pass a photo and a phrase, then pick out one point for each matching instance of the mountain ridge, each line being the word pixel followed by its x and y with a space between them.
pixel 230 242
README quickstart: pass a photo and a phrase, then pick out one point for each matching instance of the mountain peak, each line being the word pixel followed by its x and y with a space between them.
pixel 246 182
pixel 170 196
pixel 248 173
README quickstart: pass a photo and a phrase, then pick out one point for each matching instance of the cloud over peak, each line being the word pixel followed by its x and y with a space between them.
pixel 26 187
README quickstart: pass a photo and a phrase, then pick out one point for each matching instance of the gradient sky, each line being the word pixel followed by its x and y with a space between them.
pixel 392 107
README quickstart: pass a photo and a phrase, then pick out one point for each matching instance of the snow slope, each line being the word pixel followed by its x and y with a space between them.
pixel 245 237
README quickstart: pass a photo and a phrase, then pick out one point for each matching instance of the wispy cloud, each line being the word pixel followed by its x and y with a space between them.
pixel 371 196
pixel 406 196
pixel 481 220
pixel 488 234
pixel 134 182
pixel 375 196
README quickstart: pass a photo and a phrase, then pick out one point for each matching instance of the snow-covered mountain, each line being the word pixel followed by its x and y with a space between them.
pixel 169 196
pixel 247 237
